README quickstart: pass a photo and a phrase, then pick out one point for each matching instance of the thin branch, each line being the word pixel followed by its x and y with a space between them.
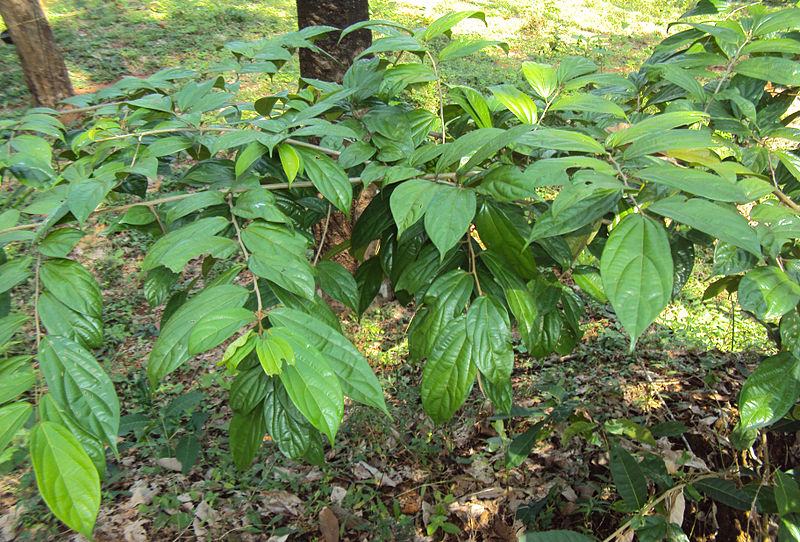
pixel 259 304
pixel 441 95
pixel 322 238
pixel 472 266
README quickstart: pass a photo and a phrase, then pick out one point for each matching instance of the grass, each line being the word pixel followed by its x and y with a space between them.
pixel 103 41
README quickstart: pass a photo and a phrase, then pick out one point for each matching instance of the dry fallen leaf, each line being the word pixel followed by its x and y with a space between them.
pixel 328 525
pixel 141 493
pixel 282 502
pixel 169 463
pixel 135 532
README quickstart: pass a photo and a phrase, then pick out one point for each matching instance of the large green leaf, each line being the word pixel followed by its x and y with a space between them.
pixel 175 249
pixel 653 125
pixel 338 283
pixel 171 349
pixel 768 292
pixel 81 387
pixel 86 194
pixel 312 385
pixel 445 23
pixel 296 437
pixel 628 477
pixel 577 204
pixel 588 103
pixel 448 216
pixel 769 392
pixel 329 178
pixel 488 331
pixel 248 389
pixel 12 418
pixel 561 140
pixel 636 268
pixel 726 492
pixel 59 319
pixel 497 232
pixel 449 372
pixel 357 379
pixel 10 325
pixel 17 376
pixel 693 181
pixel 668 140
pixel 14 272
pixel 245 435
pixel 193 203
pixel 410 200
pixel 519 103
pixel 94 448
pixel 67 479
pixel 542 78
pixel 787 494
pixel 214 329
pixel 445 299
pixel 279 255
pixel 73 285
pixel 781 71
pixel 722 222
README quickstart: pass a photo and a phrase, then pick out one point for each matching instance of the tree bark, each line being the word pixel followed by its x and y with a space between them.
pixel 341 14
pixel 45 72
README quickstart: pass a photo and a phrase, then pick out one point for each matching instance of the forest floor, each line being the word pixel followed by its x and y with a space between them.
pixel 398 478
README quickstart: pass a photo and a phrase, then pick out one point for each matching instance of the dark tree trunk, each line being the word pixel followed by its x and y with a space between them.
pixel 45 72
pixel 341 14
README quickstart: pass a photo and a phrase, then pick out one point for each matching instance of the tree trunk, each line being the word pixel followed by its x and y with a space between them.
pixel 341 14
pixel 45 72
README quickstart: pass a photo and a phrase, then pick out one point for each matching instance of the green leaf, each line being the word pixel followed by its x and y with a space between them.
pixel 10 325
pixel 588 103
pixel 722 222
pixel 730 259
pixel 59 319
pixel 312 385
pixel 175 249
pixel 86 194
pixel 73 285
pixel 462 47
pixel 724 491
pixel 67 479
pixel 630 429
pixel 171 349
pixel 589 280
pixel 94 448
pixel 519 103
pixel 410 200
pixel 473 103
pixel 291 161
pixel 259 203
pixel 769 392
pixel 636 268
pixel 776 21
pixel 768 292
pixel 449 215
pixel 576 205
pixel 16 383
pixel 693 181
pixel 497 232
pixel 561 140
pixel 778 70
pixel 81 387
pixel 541 77
pixel 355 154
pixel 295 436
pixel 214 329
pixel 329 178
pixel 248 156
pixel 279 255
pixel 449 372
pixel 248 388
pixel 465 146
pixel 12 418
pixel 195 202
pixel 59 243
pixel 443 24
pixel 488 331
pixel 338 283
pixel 628 478
pixel 653 125
pixel 787 494
pixel 356 377
pixel 555 536
pixel 393 43
pixel 489 150
pixel 668 140
pixel 445 299
pixel 238 350
pixel 245 435
pixel 13 272
pixel 272 352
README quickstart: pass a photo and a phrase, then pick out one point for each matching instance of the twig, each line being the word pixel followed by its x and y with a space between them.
pixel 441 95
pixel 324 234
pixel 474 268
pixel 259 304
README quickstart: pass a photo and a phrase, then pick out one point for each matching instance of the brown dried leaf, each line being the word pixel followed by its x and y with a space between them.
pixel 328 525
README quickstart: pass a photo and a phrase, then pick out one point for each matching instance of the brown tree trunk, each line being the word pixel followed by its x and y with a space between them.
pixel 45 72
pixel 341 14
